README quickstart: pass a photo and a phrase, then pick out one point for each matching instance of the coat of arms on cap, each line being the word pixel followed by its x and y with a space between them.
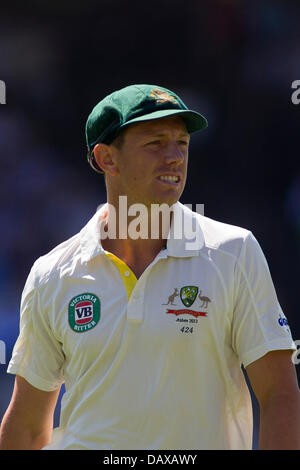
pixel 161 96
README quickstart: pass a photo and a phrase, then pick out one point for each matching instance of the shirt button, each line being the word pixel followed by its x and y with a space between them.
pixel 126 273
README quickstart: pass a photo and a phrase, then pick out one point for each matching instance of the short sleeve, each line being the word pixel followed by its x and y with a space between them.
pixel 37 355
pixel 259 324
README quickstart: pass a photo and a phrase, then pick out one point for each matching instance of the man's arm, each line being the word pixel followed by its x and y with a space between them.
pixel 274 382
pixel 28 421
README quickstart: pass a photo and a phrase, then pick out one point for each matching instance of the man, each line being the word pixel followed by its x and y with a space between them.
pixel 149 333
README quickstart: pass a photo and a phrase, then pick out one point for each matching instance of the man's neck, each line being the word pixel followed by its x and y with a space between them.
pixel 136 240
pixel 137 254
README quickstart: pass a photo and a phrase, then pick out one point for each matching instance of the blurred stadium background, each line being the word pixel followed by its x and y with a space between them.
pixel 232 60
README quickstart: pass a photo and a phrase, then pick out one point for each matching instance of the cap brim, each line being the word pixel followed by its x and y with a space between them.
pixel 194 121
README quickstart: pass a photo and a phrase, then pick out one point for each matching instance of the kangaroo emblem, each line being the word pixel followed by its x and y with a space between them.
pixel 172 297
pixel 204 300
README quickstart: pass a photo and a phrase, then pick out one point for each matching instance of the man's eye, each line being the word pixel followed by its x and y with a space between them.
pixel 153 142
pixel 182 142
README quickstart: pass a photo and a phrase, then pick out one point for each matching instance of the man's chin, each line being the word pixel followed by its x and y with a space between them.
pixel 169 201
pixel 158 197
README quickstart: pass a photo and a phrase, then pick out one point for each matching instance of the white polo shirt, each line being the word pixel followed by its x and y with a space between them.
pixel 153 363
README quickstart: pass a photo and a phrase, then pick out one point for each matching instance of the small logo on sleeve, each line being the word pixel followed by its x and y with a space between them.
pixel 283 322
pixel 84 312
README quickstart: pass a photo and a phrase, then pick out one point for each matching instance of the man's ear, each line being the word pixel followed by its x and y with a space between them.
pixel 104 156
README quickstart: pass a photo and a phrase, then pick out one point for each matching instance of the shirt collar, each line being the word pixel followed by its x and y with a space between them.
pixel 90 240
pixel 185 237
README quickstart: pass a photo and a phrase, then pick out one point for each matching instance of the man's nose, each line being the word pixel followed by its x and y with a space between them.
pixel 174 153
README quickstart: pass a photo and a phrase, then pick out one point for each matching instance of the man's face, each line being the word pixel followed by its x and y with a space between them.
pixel 152 161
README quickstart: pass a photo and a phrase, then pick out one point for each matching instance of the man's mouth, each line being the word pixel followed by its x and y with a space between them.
pixel 170 179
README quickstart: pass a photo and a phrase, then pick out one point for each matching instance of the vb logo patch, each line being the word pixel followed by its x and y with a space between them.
pixel 84 312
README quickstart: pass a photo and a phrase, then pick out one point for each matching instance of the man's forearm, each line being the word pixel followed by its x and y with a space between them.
pixel 280 423
pixel 14 436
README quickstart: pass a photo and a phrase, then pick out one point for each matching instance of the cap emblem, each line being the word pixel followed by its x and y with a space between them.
pixel 162 96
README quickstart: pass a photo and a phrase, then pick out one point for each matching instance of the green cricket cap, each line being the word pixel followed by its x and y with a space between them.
pixel 132 104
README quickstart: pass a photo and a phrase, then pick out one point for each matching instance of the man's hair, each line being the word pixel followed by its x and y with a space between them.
pixel 119 140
